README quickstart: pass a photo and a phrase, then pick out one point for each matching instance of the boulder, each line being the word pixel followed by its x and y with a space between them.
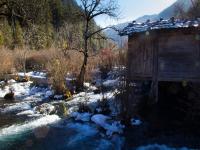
pixel 9 96
pixel 45 108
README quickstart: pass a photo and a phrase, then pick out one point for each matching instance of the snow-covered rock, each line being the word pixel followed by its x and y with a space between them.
pixel 49 93
pixel 26 112
pixel 87 85
pixel 136 122
pixel 19 89
pixel 85 117
pixel 17 107
pixel 111 83
pixel 159 147
pixel 33 74
pixel 113 127
pixel 45 109
pixel 58 97
pixel 11 81
pixel 100 119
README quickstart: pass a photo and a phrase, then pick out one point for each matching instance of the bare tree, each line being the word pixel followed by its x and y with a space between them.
pixel 179 10
pixel 90 10
pixel 194 11
pixel 25 12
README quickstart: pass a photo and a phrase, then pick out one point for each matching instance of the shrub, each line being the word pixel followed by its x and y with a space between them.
pixel 103 106
pixel 1 39
pixel 37 61
pixel 20 56
pixel 83 107
pixel 58 69
pixel 6 63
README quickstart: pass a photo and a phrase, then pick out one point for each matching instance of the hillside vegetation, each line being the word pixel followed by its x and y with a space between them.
pixel 39 24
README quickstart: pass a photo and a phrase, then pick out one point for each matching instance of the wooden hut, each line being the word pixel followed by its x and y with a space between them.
pixel 165 50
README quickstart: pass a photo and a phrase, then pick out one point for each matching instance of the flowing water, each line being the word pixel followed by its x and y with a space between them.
pixel 49 132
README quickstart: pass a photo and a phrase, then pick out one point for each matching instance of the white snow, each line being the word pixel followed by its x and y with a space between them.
pixel 172 23
pixel 91 99
pixel 159 147
pixel 30 95
pixel 17 107
pixel 136 122
pixel 45 109
pixel 85 117
pixel 26 112
pixel 20 89
pixel 83 131
pixel 111 83
pixel 34 74
pixel 58 97
pixel 24 91
pixel 49 93
pixel 18 129
pixel 87 85
pixel 11 81
pixel 102 121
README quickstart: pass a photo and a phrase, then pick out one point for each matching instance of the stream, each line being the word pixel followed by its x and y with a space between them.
pixel 50 132
pixel 22 127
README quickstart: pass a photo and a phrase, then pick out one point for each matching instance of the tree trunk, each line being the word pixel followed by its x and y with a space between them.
pixel 13 26
pixel 81 76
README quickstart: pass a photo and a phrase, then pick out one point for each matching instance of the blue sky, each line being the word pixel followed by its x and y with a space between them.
pixel 132 9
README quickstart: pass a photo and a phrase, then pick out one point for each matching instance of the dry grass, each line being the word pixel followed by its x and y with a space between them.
pixel 57 69
pixel 37 60
pixel 6 62
pixel 58 63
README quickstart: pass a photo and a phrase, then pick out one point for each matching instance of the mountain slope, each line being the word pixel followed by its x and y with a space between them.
pixel 171 10
pixel 166 14
pixel 113 35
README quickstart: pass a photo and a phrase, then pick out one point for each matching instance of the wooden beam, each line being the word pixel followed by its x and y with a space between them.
pixel 154 89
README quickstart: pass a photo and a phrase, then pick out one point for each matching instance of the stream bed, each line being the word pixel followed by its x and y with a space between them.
pixel 50 132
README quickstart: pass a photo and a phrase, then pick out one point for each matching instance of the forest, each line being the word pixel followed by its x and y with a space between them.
pixel 65 83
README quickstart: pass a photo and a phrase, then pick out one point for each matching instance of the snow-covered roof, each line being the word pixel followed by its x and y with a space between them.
pixel 172 23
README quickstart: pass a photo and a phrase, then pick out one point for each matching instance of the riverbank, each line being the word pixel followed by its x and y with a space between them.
pixel 88 120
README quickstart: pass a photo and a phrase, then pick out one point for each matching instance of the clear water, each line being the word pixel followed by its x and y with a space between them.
pixel 53 133
pixel 70 136
pixel 22 133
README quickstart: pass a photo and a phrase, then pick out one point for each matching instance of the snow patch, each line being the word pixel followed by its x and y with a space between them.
pixel 34 74
pixel 45 109
pixel 20 89
pixel 58 97
pixel 85 117
pixel 159 147
pixel 111 83
pixel 83 131
pixel 49 93
pixel 113 127
pixel 136 122
pixel 17 107
pixel 26 112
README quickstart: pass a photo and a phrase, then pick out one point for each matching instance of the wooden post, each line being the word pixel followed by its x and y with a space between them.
pixel 155 70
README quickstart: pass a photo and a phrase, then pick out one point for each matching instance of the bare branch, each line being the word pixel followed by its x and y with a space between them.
pixel 92 9
pixel 95 32
pixel 2 4
pixel 74 49
pixel 3 14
